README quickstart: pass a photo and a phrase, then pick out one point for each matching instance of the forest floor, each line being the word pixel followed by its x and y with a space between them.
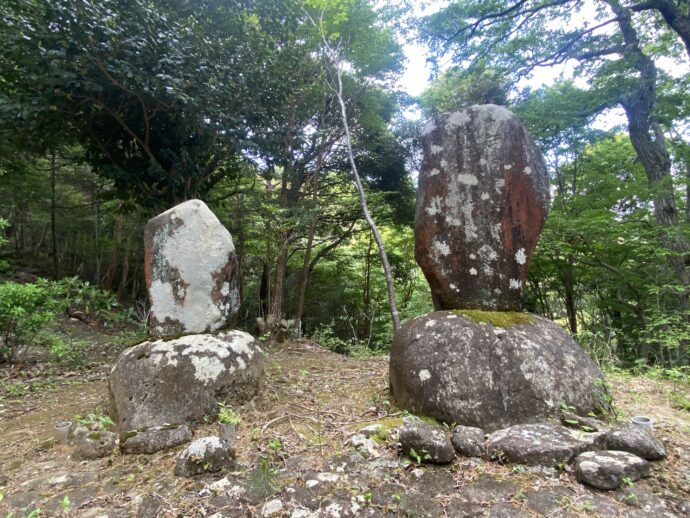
pixel 293 452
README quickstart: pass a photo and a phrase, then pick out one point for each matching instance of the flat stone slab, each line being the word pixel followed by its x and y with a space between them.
pixel 636 440
pixel 154 439
pixel 610 469
pixel 540 444
pixel 205 455
pixel 468 441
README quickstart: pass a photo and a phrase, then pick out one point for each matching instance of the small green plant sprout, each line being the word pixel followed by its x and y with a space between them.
pixel 65 503
pixel 227 415
pixel 627 482
pixel 95 421
pixel 419 458
pixel 275 446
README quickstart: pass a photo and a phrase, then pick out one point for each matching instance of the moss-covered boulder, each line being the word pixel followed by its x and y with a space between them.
pixel 476 369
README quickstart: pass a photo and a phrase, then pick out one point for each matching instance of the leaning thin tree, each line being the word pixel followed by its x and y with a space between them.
pixel 334 62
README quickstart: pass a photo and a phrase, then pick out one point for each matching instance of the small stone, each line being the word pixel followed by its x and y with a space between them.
pixel 154 439
pixel 636 440
pixel 272 508
pixel 587 424
pixel 94 445
pixel 542 444
pixel 427 443
pixel 205 455
pixel 365 446
pixel 372 430
pixel 609 469
pixel 468 441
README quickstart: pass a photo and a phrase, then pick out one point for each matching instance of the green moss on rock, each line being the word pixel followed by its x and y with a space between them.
pixel 503 319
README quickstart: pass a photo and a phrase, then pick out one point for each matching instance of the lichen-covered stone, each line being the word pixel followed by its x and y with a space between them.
pixel 94 445
pixel 205 455
pixel 154 439
pixel 482 201
pixel 426 443
pixel 191 271
pixel 180 381
pixel 609 469
pixel 541 444
pixel 450 367
pixel 468 441
pixel 636 440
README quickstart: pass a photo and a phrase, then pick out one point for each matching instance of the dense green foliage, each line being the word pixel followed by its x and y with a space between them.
pixel 113 110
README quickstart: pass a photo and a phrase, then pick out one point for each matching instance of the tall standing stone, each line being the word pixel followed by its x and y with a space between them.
pixel 482 203
pixel 191 271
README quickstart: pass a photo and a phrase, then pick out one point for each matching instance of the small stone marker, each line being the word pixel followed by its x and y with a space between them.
pixel 609 469
pixel 482 202
pixel 191 271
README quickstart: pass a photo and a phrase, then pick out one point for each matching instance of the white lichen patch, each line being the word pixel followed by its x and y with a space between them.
pixel 515 284
pixel 453 287
pixel 434 172
pixel 435 150
pixel 520 256
pixel 483 162
pixel 424 375
pixel 473 256
pixel 507 167
pixel 473 271
pixel 441 247
pixel 435 207
pixel 240 342
pixel 457 119
pixel 486 253
pixel 500 184
pixel 430 323
pixel 485 196
pixel 199 447
pixel 453 222
pixel 429 128
pixel 527 170
pixel 468 179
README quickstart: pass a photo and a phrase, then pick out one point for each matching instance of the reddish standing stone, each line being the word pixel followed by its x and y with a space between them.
pixel 482 203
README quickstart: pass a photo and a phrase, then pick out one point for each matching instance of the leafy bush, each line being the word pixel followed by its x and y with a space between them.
pixel 95 304
pixel 25 309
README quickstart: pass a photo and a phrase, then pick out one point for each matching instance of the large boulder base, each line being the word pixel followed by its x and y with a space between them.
pixel 636 440
pixel 466 370
pixel 191 271
pixel 180 381
pixel 482 201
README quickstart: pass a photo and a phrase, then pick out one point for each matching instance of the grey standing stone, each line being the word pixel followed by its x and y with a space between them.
pixel 609 469
pixel 180 381
pixel 430 443
pixel 191 271
pixel 448 366
pixel 205 455
pixel 542 444
pixel 468 441
pixel 636 440
pixel 482 201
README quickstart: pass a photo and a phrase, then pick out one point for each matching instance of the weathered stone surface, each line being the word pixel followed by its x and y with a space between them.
pixel 205 455
pixel 180 381
pixel 542 444
pixel 636 440
pixel 430 443
pixel 191 271
pixel 482 202
pixel 94 445
pixel 468 441
pixel 157 438
pixel 608 469
pixel 448 366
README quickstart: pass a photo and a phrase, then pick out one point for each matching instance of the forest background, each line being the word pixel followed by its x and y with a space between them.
pixel 112 111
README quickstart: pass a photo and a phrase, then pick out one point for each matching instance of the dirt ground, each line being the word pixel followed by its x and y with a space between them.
pixel 294 456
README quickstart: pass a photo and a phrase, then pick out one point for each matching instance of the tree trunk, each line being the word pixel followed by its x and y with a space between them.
pixel 115 254
pixel 125 269
pixel 263 292
pixel 392 302
pixel 649 143
pixel 366 292
pixel 53 216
